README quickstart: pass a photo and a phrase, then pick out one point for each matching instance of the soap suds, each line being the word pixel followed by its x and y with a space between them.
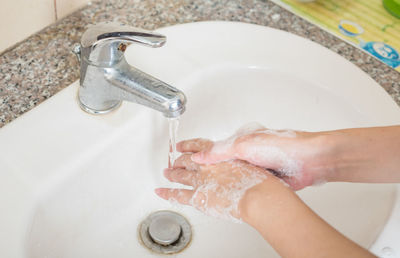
pixel 262 154
pixel 280 133
pixel 255 127
pixel 222 201
pixel 231 194
pixel 224 145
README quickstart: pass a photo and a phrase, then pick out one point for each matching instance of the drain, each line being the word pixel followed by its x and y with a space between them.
pixel 165 232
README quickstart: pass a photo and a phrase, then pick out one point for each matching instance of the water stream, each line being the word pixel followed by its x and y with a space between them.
pixel 173 124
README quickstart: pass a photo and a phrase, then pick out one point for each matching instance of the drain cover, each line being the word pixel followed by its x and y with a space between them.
pixel 165 229
pixel 165 232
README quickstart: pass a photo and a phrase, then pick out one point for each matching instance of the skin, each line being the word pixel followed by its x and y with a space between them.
pixel 279 215
pixel 351 155
pixel 220 176
pixel 313 155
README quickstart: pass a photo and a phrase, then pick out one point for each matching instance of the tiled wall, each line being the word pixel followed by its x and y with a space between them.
pixel 21 18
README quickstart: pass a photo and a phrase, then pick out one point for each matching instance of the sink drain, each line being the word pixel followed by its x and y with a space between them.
pixel 165 232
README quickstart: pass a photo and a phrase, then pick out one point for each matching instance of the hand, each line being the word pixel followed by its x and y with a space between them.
pixel 236 190
pixel 218 190
pixel 299 158
pixel 304 158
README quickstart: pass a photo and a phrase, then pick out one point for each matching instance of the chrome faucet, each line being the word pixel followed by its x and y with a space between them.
pixel 107 79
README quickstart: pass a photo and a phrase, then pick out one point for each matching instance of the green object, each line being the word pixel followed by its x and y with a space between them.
pixel 393 7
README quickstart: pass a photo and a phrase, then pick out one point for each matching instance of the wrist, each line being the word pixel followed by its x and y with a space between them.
pixel 266 196
pixel 339 156
pixel 319 157
pixel 365 155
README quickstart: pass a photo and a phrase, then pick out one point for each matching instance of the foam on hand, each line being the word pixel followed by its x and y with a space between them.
pixel 221 200
pixel 231 194
pixel 262 154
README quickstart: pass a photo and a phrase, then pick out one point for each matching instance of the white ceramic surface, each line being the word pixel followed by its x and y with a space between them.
pixel 77 185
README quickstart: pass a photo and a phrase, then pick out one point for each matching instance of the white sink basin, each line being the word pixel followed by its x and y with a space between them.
pixel 78 185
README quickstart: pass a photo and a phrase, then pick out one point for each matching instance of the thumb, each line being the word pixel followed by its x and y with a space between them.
pixel 219 152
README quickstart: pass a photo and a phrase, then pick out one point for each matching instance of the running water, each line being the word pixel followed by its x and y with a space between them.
pixel 173 130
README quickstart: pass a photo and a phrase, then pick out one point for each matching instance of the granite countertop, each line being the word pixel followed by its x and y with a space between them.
pixel 43 64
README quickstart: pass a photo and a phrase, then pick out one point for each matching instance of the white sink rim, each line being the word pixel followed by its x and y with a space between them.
pixel 372 91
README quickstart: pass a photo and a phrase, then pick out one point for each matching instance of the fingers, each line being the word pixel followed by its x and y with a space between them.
pixel 194 145
pixel 221 151
pixel 186 162
pixel 182 176
pixel 182 196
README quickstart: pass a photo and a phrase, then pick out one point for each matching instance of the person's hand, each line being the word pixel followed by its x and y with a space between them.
pixel 218 189
pixel 300 158
pixel 237 190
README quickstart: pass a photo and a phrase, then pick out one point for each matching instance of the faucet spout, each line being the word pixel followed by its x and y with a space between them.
pixel 131 84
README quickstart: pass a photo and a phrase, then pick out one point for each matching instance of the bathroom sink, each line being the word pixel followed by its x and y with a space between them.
pixel 78 185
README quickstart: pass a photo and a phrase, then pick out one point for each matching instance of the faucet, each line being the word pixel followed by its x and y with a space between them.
pixel 106 78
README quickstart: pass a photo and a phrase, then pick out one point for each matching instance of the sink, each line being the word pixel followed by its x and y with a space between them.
pixel 78 185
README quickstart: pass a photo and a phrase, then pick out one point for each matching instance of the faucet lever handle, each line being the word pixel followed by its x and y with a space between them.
pixel 106 32
pixel 150 39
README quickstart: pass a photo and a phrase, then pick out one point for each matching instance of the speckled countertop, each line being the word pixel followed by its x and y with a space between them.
pixel 43 64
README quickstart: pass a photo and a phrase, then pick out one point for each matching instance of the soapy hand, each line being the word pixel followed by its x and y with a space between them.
pixel 225 183
pixel 217 189
pixel 297 157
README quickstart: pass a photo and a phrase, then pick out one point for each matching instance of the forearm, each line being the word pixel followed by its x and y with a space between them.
pixel 292 228
pixel 365 155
